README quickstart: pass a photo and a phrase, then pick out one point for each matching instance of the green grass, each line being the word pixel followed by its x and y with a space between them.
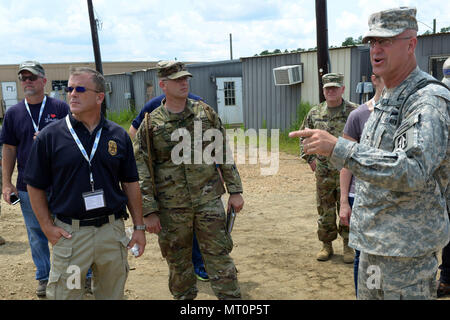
pixel 122 118
pixel 288 145
pixel 291 145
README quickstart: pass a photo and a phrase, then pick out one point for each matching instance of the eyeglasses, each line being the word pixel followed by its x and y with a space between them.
pixel 384 42
pixel 79 89
pixel 23 78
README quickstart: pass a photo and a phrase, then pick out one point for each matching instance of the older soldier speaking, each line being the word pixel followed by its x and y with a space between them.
pixel 187 196
pixel 399 219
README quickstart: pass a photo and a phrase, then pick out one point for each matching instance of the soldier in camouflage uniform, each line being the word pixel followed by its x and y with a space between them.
pixel 187 196
pixel 400 219
pixel 331 115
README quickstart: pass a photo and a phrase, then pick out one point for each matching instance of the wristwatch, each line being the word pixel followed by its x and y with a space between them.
pixel 140 227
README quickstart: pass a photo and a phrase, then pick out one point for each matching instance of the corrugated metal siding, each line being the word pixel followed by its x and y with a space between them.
pixel 277 105
pixel 429 46
pixel 203 82
pixel 120 85
pixel 263 101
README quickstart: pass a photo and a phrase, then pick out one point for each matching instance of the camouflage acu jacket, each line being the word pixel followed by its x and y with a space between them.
pixel 182 185
pixel 403 170
pixel 319 117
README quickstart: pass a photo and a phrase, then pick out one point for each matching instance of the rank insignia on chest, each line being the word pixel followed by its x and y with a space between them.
pixel 112 147
pixel 401 142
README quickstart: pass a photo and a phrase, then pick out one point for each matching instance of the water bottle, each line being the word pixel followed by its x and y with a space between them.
pixel 135 249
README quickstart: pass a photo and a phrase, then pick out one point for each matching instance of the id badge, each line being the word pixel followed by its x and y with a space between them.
pixel 94 199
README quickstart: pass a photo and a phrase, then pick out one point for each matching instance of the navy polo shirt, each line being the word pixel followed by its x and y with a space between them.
pixel 56 161
pixel 152 105
pixel 18 129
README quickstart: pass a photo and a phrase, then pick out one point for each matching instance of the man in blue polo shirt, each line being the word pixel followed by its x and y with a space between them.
pixel 21 124
pixel 88 163
pixel 152 104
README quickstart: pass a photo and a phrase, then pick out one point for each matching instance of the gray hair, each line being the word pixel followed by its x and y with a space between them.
pixel 97 77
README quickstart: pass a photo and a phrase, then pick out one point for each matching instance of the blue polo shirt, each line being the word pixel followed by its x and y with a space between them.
pixel 152 105
pixel 56 161
pixel 18 129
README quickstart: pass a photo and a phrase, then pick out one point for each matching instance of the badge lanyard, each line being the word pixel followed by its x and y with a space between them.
pixel 83 151
pixel 36 126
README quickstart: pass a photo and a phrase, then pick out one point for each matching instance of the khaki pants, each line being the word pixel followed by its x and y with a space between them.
pixel 103 249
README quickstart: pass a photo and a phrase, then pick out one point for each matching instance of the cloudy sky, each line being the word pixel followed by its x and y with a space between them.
pixel 190 30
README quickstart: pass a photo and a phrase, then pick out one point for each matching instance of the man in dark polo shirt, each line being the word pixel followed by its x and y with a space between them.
pixel 89 164
pixel 21 124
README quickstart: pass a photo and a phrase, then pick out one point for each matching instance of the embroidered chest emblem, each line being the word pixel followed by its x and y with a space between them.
pixel 112 147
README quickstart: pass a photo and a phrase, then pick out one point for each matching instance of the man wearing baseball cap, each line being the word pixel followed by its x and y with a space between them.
pixel 186 195
pixel 400 215
pixel 330 115
pixel 21 124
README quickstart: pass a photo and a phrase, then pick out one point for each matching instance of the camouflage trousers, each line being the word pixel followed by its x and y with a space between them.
pixel 175 241
pixel 397 278
pixel 328 203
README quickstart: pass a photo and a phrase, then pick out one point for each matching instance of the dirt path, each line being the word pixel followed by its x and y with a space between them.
pixel 275 245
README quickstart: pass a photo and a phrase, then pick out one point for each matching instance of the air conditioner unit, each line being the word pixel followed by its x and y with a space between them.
pixel 288 75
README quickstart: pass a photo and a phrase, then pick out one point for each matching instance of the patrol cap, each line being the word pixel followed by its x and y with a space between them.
pixel 333 80
pixel 390 23
pixel 446 72
pixel 33 66
pixel 172 70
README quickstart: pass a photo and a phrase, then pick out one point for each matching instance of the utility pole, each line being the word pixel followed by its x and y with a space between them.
pixel 322 42
pixel 231 46
pixel 96 46
pixel 434 26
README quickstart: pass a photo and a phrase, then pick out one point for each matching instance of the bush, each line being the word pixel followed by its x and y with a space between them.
pixel 122 117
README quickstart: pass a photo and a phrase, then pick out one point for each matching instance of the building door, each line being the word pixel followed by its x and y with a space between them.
pixel 229 100
pixel 9 94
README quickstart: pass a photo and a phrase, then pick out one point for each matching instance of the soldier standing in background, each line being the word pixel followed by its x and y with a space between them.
pixel 187 196
pixel 399 220
pixel 331 115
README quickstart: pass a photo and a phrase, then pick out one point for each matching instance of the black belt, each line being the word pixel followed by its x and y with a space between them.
pixel 96 222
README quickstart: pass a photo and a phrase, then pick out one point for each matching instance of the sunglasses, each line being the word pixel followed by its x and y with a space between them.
pixel 79 89
pixel 23 78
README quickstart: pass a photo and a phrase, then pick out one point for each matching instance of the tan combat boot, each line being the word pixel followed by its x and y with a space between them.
pixel 326 252
pixel 349 254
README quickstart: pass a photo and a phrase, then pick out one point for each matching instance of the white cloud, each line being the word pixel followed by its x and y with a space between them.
pixel 195 30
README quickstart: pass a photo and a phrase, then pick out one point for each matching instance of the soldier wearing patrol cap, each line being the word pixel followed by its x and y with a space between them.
pixel 187 194
pixel 400 215
pixel 331 115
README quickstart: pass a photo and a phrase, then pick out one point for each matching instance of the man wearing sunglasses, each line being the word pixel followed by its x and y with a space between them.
pixel 88 162
pixel 399 220
pixel 21 124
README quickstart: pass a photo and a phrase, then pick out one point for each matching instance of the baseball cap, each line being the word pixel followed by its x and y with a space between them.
pixel 33 66
pixel 333 80
pixel 390 23
pixel 172 70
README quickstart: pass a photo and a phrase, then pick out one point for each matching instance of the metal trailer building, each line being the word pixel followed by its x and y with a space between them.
pixel 137 87
pixel 275 106
pixel 432 51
